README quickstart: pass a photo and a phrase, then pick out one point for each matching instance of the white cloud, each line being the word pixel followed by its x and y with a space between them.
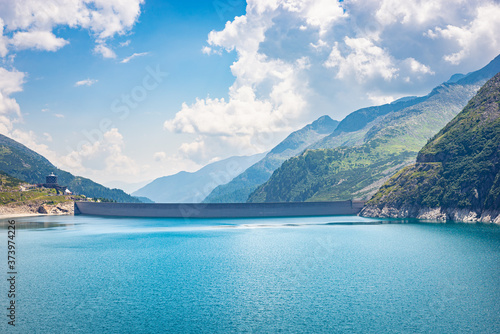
pixel 40 40
pixel 31 23
pixel 86 82
pixel 59 115
pixel 266 99
pixel 134 55
pixel 417 67
pixel 103 50
pixel 10 112
pixel 319 13
pixel 126 43
pixel 380 99
pixel 209 51
pixel 103 158
pixel 365 61
pixel 4 41
pixel 413 11
pixel 29 139
pixel 476 37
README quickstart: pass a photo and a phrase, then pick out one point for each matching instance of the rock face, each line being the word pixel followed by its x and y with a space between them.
pixel 457 174
pixel 436 214
pixel 65 208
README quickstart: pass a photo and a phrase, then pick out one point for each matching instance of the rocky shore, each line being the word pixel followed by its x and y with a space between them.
pixel 65 208
pixel 437 214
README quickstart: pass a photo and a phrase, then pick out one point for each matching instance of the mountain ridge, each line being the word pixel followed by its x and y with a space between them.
pixel 193 187
pixel 457 173
pixel 242 185
pixel 25 164
pixel 353 164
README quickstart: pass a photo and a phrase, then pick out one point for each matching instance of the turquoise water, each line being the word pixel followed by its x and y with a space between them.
pixel 287 275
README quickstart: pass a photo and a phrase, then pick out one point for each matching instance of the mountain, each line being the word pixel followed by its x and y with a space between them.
pixel 457 173
pixel 369 145
pixel 22 163
pixel 185 187
pixel 238 190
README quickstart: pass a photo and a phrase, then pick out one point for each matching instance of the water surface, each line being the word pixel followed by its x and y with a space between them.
pixel 291 275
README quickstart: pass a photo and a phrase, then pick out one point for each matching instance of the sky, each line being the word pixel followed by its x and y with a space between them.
pixel 131 90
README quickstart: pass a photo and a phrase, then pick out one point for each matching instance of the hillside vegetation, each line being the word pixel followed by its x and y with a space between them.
pixel 457 172
pixel 24 164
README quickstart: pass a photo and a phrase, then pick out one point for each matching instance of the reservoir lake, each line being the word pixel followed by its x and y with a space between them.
pixel 342 274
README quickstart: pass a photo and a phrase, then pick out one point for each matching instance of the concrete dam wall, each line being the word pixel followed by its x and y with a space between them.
pixel 219 210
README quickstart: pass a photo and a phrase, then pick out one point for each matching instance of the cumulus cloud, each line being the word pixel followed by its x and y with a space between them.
pixel 4 41
pixel 413 11
pixel 479 36
pixel 103 157
pixel 266 100
pixel 29 24
pixel 320 13
pixel 365 60
pixel 40 40
pixel 11 81
pixel 134 55
pixel 86 82
pixel 417 67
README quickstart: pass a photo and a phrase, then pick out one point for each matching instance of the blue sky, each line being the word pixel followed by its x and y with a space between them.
pixel 132 90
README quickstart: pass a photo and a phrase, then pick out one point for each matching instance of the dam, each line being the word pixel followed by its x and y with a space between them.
pixel 219 210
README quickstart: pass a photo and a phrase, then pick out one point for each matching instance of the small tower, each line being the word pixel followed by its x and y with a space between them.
pixel 51 179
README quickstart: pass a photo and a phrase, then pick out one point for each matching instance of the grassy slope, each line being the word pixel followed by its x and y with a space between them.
pixel 460 166
pixel 10 194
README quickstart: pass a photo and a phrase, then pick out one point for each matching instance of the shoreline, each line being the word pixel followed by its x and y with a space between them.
pixel 4 216
pixel 36 209
pixel 440 215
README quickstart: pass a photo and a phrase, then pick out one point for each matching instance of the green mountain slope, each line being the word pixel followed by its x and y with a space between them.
pixel 22 163
pixel 457 174
pixel 185 187
pixel 241 186
pixel 369 145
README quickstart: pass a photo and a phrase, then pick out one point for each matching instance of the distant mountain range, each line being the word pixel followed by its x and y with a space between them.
pixel 370 145
pixel 244 184
pixel 22 163
pixel 457 173
pixel 185 187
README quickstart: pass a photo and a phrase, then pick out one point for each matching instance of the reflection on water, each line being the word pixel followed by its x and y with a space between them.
pixel 25 225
